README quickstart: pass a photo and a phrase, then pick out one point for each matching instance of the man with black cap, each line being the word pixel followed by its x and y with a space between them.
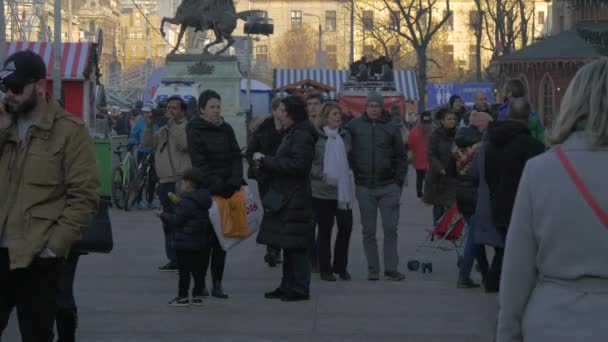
pixel 49 175
pixel 379 163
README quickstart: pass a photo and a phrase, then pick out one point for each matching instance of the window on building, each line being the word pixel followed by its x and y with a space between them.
pixel 332 56
pixel 395 20
pixel 448 51
pixel 541 18
pixel 137 23
pixel 134 50
pixel 136 14
pixel 474 19
pixel 422 20
pixel 330 20
pixel 395 53
pixel 296 20
pixel 261 54
pixel 472 57
pixel 548 96
pixel 368 20
pixel 449 24
pixel 140 35
pixel 132 35
pixel 368 51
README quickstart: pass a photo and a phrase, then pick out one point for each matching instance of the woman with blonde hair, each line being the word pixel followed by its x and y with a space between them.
pixel 554 284
pixel 333 192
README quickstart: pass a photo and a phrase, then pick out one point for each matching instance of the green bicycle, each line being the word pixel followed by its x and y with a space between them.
pixel 122 177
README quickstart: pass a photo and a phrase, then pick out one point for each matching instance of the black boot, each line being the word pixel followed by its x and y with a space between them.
pixel 67 322
pixel 217 291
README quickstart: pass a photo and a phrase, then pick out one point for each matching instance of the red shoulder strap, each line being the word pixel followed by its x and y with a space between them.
pixel 581 186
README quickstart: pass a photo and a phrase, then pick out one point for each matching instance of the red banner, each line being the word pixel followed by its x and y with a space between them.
pixel 355 105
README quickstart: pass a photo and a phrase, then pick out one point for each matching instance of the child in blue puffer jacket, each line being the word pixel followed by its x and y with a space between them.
pixel 191 229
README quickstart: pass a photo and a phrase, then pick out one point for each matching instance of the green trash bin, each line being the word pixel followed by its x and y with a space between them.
pixel 104 161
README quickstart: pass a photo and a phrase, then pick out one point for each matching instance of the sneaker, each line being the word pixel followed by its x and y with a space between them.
pixel 373 276
pixel 154 205
pixel 198 300
pixel 180 301
pixel 142 205
pixel 328 277
pixel 168 268
pixel 467 284
pixel 394 275
pixel 344 276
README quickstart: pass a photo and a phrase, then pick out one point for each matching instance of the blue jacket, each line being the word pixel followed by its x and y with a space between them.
pixel 190 225
pixel 137 135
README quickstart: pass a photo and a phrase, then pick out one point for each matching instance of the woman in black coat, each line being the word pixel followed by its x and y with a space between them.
pixel 265 138
pixel 215 151
pixel 440 187
pixel 288 215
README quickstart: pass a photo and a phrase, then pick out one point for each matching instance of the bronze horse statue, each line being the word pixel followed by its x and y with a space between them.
pixel 217 15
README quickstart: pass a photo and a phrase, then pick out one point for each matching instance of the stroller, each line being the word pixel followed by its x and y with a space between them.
pixel 448 235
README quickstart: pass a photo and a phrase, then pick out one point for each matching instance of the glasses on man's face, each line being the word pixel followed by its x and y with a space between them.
pixel 15 87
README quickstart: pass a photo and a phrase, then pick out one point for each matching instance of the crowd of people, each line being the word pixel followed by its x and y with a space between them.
pixel 541 205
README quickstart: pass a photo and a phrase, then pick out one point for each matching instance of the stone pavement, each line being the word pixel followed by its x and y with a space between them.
pixel 122 297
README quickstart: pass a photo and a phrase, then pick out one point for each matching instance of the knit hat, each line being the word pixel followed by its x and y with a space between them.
pixel 374 97
pixel 453 99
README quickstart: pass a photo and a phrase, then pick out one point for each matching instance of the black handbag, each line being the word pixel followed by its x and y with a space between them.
pixel 273 201
pixel 97 236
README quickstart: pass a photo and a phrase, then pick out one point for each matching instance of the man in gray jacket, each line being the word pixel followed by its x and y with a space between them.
pixel 379 163
pixel 171 159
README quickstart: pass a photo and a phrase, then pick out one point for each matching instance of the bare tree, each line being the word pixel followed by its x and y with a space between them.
pixel 418 26
pixel 477 27
pixel 296 49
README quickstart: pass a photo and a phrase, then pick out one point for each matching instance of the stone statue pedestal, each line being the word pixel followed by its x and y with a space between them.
pixel 219 73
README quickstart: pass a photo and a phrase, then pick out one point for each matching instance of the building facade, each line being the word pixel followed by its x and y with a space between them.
pixel 139 39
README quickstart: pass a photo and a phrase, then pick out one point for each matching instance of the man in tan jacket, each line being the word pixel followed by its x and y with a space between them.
pixel 171 159
pixel 50 187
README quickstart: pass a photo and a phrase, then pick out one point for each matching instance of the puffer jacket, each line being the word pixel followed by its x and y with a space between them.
pixel 51 185
pixel 321 189
pixel 265 139
pixel 377 156
pixel 289 171
pixel 190 224
pixel 215 151
pixel 171 157
pixel 440 186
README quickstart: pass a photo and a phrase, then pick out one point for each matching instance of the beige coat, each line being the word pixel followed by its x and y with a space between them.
pixel 50 185
pixel 171 157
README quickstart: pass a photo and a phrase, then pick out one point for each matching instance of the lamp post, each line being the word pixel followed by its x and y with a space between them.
pixel 2 33
pixel 320 54
pixel 57 52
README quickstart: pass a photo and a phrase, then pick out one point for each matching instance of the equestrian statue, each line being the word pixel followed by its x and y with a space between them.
pixel 217 15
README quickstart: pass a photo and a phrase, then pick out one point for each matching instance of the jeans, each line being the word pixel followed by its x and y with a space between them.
pixel 190 263
pixel 386 199
pixel 163 194
pixel 472 251
pixel 214 254
pixel 420 175
pixel 33 291
pixel 327 213
pixel 296 271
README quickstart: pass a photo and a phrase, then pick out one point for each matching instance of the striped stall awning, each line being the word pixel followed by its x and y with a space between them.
pixel 405 80
pixel 74 56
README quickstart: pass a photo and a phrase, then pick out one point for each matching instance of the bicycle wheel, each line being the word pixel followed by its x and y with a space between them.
pixel 118 189
pixel 135 188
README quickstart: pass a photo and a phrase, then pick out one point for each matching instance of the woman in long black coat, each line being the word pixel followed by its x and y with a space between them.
pixel 440 187
pixel 287 221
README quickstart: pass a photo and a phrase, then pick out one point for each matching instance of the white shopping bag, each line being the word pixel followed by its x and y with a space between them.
pixel 255 212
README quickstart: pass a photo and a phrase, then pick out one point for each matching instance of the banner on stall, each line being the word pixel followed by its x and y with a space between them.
pixel 439 93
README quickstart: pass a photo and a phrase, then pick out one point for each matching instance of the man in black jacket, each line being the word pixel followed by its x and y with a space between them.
pixel 379 163
pixel 215 151
pixel 511 145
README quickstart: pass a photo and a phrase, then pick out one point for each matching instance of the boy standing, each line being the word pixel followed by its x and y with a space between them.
pixel 191 227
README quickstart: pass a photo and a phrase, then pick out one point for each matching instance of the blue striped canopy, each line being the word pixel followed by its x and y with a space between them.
pixel 405 80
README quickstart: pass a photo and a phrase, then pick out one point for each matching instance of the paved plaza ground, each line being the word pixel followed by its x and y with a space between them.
pixel 122 297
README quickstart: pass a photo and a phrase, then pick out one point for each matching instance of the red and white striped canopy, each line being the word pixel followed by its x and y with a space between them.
pixel 74 56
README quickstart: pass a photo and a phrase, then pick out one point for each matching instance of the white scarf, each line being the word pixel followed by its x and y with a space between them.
pixel 336 170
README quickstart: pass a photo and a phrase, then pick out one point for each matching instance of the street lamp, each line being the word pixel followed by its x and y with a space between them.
pixel 320 54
